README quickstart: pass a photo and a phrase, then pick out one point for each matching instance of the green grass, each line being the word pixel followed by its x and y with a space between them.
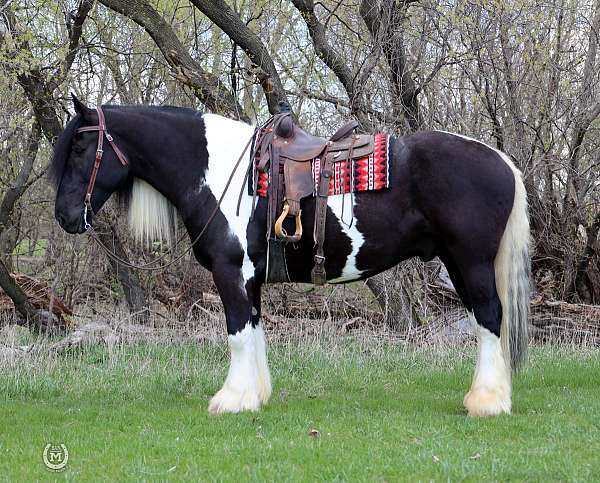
pixel 383 414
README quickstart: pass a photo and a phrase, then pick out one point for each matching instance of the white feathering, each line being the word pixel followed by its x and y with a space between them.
pixel 151 215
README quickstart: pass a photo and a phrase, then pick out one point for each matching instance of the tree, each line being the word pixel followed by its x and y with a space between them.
pixel 39 89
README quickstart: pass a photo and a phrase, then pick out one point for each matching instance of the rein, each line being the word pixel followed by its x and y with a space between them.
pixel 150 266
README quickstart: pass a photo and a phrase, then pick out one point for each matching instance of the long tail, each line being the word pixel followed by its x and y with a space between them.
pixel 512 267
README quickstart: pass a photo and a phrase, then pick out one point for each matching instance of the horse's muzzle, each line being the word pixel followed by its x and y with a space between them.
pixel 72 225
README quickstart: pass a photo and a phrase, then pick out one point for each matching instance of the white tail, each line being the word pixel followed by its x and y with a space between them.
pixel 151 216
pixel 512 267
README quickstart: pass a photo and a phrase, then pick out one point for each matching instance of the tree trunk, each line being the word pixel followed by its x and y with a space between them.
pixel 39 320
pixel 384 22
pixel 135 295
pixel 584 288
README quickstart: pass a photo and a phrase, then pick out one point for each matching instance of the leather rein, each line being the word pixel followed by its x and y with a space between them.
pixel 87 203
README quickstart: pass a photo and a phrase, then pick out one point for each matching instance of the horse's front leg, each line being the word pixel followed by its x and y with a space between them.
pixel 248 382
pixel 264 375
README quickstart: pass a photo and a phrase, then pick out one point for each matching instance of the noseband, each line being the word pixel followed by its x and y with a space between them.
pixel 101 128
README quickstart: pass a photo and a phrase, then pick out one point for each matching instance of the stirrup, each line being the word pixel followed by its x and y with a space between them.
pixel 280 230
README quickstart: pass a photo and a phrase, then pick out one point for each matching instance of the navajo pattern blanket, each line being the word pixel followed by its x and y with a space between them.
pixel 362 174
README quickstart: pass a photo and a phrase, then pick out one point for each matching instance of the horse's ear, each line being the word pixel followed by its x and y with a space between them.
pixel 81 108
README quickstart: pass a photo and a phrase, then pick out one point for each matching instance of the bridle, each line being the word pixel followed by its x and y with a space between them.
pixel 101 128
pixel 87 202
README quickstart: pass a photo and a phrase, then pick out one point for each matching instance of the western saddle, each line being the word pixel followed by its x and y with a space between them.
pixel 286 151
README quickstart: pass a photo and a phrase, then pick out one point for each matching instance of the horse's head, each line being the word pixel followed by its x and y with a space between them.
pixel 72 167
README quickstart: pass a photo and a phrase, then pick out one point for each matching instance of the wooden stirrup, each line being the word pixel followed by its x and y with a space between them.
pixel 280 231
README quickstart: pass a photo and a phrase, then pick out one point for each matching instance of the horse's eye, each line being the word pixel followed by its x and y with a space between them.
pixel 77 149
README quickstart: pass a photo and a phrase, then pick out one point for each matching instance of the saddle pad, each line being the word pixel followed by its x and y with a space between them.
pixel 350 176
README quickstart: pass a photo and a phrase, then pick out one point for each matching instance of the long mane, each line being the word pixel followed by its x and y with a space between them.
pixel 62 149
pixel 151 216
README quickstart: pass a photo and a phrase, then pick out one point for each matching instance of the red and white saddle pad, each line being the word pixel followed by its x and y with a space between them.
pixel 361 174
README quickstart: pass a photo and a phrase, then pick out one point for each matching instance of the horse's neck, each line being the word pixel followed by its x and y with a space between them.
pixel 189 163
pixel 181 158
pixel 170 156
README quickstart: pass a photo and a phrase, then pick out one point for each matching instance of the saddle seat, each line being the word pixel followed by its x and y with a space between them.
pixel 296 144
pixel 288 150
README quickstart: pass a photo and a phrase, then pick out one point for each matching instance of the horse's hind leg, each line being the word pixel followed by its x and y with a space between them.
pixel 456 278
pixel 490 392
pixel 248 383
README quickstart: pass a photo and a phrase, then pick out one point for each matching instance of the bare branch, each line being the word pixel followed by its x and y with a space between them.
pixel 12 194
pixel 207 87
pixel 75 29
pixel 383 19
pixel 332 58
pixel 228 21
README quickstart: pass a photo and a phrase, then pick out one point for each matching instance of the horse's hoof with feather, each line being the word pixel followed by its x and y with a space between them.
pixel 483 401
pixel 230 401
pixel 248 383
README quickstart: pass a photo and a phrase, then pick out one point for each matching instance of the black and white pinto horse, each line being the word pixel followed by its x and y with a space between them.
pixel 450 196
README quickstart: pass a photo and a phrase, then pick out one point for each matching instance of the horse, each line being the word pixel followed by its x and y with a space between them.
pixel 449 196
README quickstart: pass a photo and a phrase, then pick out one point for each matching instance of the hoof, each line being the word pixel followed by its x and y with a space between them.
pixel 487 402
pixel 228 401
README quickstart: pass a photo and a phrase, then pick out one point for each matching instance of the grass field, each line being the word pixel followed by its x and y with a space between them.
pixel 382 414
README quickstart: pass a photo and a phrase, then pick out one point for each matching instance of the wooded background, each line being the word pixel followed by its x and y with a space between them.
pixel 520 75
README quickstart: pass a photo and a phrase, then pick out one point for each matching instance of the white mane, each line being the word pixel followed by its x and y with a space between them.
pixel 151 216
